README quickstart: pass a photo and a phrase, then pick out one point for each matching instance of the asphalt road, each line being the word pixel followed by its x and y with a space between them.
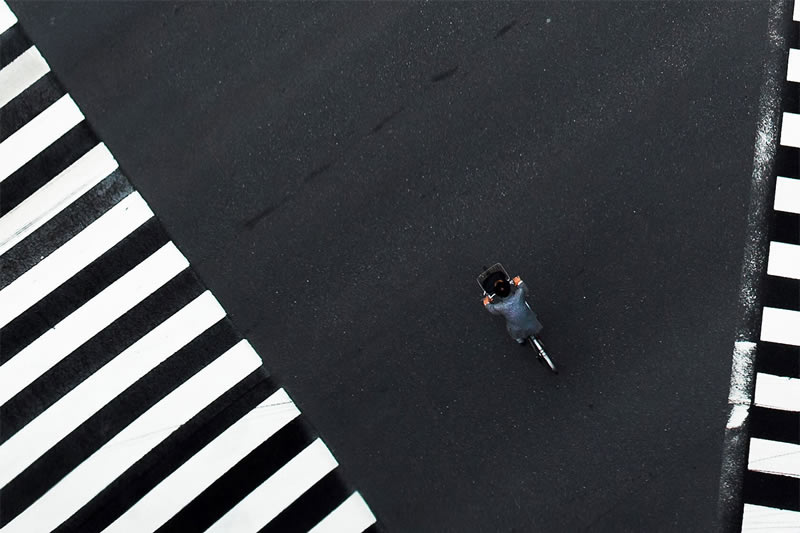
pixel 338 174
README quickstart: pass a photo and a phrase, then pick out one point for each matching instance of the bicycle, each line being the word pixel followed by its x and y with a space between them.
pixel 487 280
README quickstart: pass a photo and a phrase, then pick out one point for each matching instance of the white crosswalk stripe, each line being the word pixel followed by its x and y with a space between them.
pixel 774 457
pixel 777 392
pixel 21 74
pixel 787 195
pixel 352 516
pixel 781 326
pixel 760 519
pixel 37 135
pixel 7 17
pixel 784 260
pixel 790 130
pixel 793 67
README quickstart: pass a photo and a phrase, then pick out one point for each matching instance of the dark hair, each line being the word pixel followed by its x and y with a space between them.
pixel 502 288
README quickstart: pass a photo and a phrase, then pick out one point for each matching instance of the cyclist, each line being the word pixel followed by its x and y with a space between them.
pixel 509 301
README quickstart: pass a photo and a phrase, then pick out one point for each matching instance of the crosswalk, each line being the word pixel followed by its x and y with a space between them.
pixel 128 401
pixel 771 488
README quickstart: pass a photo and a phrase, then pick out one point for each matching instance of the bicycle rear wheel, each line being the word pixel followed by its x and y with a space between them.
pixel 542 355
pixel 548 362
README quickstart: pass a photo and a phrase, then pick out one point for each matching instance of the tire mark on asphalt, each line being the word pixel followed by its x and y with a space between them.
pixel 316 172
pixel 251 222
pixel 387 119
pixel 502 31
pixel 444 75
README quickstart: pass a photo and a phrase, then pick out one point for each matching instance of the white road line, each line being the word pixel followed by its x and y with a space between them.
pixel 23 145
pixel 47 275
pixel 278 492
pixel 7 18
pixel 787 195
pixel 744 353
pixel 75 407
pixel 207 465
pixel 796 12
pixel 352 516
pixel 784 260
pixel 777 392
pixel 132 443
pixel 781 326
pixel 88 320
pixel 21 73
pixel 54 196
pixel 774 457
pixel 790 130
pixel 793 68
pixel 768 519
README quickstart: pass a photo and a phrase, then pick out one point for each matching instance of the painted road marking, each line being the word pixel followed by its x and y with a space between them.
pixel 23 145
pixel 796 12
pixel 777 392
pixel 781 326
pixel 790 130
pixel 207 465
pixel 278 491
pixel 793 67
pixel 7 18
pixel 56 195
pixel 784 260
pixel 774 457
pixel 75 407
pixel 352 516
pixel 133 442
pixel 21 73
pixel 47 275
pixel 88 320
pixel 758 518
pixel 787 195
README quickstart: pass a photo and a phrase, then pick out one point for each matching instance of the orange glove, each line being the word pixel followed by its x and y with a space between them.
pixel 517 280
pixel 486 300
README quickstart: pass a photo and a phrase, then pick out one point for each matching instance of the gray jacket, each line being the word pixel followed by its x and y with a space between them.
pixel 521 321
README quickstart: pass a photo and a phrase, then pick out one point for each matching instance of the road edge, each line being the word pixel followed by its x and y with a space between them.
pixel 735 443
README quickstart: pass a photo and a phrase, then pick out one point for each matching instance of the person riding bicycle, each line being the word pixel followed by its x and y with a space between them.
pixel 509 302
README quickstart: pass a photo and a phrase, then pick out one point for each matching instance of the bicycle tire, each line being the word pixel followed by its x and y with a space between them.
pixel 542 356
pixel 548 362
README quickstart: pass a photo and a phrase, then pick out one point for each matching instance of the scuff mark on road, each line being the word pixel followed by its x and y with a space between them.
pixel 316 172
pixel 378 127
pixel 252 222
pixel 444 75
pixel 502 31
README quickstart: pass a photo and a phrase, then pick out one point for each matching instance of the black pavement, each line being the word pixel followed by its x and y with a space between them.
pixel 338 173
